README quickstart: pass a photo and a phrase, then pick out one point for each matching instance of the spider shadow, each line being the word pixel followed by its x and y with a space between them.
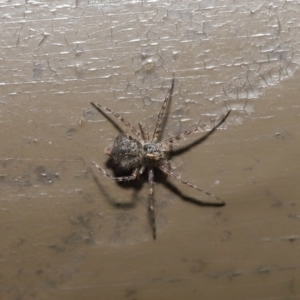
pixel 136 185
pixel 163 179
pixel 184 149
pixel 200 140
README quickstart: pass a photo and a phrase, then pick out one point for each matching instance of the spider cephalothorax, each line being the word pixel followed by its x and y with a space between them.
pixel 141 152
pixel 153 153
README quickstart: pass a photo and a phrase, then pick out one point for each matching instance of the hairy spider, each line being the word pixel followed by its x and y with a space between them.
pixel 143 153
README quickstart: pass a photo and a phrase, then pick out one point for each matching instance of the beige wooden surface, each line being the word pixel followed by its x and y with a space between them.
pixel 61 235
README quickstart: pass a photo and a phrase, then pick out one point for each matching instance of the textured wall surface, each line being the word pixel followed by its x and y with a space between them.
pixel 70 233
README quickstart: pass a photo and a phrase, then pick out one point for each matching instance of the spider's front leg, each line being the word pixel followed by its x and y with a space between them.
pixel 160 117
pixel 151 201
pixel 133 176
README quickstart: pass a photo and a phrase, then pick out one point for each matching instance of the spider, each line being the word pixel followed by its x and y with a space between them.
pixel 142 153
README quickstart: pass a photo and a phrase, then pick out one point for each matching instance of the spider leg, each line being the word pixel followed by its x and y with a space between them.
pixel 151 201
pixel 142 169
pixel 183 134
pixel 161 114
pixel 194 130
pixel 102 108
pixel 178 177
pixel 122 178
pixel 144 132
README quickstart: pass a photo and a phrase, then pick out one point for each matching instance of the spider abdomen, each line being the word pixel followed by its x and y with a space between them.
pixel 126 152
